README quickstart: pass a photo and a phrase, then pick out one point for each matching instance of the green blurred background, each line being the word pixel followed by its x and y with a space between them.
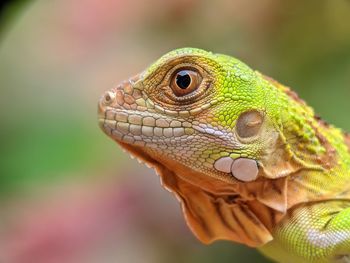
pixel 67 192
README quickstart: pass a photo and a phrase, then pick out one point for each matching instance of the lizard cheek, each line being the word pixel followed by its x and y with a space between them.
pixel 249 123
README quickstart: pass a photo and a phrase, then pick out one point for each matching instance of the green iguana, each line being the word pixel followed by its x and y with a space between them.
pixel 248 159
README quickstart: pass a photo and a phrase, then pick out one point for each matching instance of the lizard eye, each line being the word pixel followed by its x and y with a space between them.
pixel 185 81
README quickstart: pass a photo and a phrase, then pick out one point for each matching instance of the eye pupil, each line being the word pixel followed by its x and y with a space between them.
pixel 183 79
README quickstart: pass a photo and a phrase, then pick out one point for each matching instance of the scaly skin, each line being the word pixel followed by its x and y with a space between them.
pixel 248 159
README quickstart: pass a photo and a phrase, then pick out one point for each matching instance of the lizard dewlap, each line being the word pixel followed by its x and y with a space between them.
pixel 248 159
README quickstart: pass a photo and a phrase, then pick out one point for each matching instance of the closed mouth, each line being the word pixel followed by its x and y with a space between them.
pixel 134 126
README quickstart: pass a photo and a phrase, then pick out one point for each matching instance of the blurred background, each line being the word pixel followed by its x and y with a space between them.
pixel 67 192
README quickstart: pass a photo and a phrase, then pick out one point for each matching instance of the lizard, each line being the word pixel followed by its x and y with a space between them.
pixel 249 160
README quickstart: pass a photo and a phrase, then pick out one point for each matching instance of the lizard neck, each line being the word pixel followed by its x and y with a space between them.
pixel 330 181
pixel 318 151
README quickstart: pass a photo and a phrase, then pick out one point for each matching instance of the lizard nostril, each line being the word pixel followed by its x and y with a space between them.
pixel 109 97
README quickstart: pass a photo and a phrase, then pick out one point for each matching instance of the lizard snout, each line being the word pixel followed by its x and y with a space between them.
pixel 120 99
pixel 123 96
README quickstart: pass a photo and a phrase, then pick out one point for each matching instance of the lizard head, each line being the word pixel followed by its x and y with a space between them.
pixel 210 125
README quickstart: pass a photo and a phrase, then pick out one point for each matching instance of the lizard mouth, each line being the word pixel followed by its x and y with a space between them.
pixel 141 127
